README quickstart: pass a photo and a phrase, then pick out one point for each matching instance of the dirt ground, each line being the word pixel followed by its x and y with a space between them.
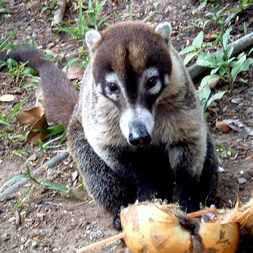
pixel 50 222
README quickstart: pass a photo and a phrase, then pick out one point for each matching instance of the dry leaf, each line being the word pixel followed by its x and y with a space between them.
pixel 222 126
pixel 7 98
pixel 37 119
pixel 36 133
pixel 31 116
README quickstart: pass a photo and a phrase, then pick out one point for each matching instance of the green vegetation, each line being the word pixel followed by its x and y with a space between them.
pixel 55 134
pixel 223 66
pixel 89 18
pixel 194 49
pixel 3 7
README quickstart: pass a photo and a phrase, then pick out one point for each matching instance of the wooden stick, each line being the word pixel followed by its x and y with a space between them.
pixel 100 244
pixel 201 212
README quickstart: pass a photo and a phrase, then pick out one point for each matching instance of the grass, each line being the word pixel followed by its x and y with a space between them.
pixel 89 18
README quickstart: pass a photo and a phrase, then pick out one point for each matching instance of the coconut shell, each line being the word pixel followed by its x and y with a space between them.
pixel 149 228
pixel 156 228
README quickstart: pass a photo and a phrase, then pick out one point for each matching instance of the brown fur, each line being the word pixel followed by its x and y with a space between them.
pixel 130 44
pixel 59 95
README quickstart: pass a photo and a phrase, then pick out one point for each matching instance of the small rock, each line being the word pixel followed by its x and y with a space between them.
pixel 34 244
pixel 220 169
pixel 184 7
pixel 242 180
pixel 41 215
pixel 6 237
pixel 33 157
pixel 236 100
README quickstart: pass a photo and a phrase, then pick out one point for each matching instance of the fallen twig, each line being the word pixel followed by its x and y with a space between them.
pixel 100 244
pixel 12 186
pixel 238 46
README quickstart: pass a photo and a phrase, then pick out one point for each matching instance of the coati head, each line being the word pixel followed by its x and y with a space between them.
pixel 131 66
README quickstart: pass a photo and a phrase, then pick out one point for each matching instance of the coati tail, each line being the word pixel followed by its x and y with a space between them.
pixel 59 95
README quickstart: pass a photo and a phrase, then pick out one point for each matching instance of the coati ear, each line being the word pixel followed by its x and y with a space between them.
pixel 91 39
pixel 164 29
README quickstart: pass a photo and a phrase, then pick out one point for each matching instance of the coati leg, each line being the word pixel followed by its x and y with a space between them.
pixel 108 189
pixel 191 190
pixel 209 176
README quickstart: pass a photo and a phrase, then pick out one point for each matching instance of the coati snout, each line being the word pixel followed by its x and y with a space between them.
pixel 136 125
pixel 138 134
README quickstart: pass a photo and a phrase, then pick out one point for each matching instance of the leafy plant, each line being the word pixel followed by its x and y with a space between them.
pixel 5 42
pixel 44 183
pixel 4 120
pixel 17 71
pixel 194 49
pixel 243 4
pixel 223 64
pixel 204 93
pixel 205 2
pixel 55 133
pixel 86 19
pixel 3 7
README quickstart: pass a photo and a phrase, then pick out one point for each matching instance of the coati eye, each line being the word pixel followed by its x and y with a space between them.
pixel 153 85
pixel 113 87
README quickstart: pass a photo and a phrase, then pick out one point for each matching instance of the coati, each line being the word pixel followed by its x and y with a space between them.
pixel 137 131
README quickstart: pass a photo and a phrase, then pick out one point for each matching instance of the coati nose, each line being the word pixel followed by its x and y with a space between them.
pixel 138 135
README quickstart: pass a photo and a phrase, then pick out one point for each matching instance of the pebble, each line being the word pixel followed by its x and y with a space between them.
pixel 236 100
pixel 93 232
pixel 242 180
pixel 6 237
pixel 220 169
pixel 34 244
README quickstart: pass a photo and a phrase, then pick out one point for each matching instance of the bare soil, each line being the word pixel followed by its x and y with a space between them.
pixel 49 222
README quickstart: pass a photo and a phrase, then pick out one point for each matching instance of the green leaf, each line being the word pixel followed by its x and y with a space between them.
pixel 55 186
pixel 187 50
pixel 11 63
pixel 230 51
pixel 189 57
pixel 207 60
pixel 250 51
pixel 226 38
pixel 216 96
pixel 198 41
pixel 241 65
pixel 208 79
pixel 214 71
pixel 203 91
pixel 4 121
pixel 55 130
pixel 29 71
